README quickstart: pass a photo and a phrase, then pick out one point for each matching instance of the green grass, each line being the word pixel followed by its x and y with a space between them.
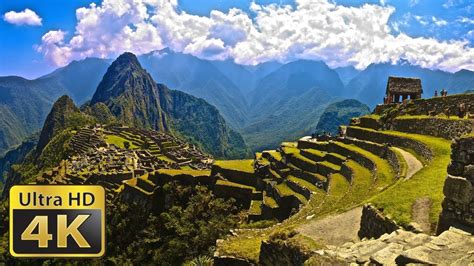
pixel 303 183
pixel 174 172
pixel 270 202
pixel 428 182
pixel 232 184
pixel 240 165
pixel 385 173
pixel 119 141
pixel 243 247
pixel 452 117
pixel 289 144
pixel 255 207
pixel 317 153
pixel 334 167
pixel 276 155
pixel 166 159
pixel 284 190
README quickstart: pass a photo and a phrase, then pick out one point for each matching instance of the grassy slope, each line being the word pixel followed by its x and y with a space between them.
pixel 429 181
pixel 119 141
pixel 340 198
pixel 240 165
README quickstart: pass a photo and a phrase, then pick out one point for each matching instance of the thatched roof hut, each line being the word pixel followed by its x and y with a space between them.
pixel 406 88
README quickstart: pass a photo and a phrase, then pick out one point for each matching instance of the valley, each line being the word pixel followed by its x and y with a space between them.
pixel 267 104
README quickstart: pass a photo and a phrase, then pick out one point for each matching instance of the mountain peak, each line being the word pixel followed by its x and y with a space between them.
pixel 127 57
pixel 131 94
pixel 119 77
pixel 56 121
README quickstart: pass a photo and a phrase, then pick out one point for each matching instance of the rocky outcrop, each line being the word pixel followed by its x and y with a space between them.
pixel 458 204
pixel 402 247
pixel 374 224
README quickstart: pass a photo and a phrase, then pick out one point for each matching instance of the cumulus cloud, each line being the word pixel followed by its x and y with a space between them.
pixel 312 29
pixel 25 17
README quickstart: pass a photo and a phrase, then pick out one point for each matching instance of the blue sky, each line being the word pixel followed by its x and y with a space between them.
pixel 220 36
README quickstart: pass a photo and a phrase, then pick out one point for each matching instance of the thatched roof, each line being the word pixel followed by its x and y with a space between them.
pixel 399 85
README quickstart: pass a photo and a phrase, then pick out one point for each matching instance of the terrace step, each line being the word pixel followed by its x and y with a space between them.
pixel 284 190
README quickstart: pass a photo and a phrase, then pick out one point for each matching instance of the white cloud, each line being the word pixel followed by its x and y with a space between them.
pixel 313 29
pixel 421 20
pixel 465 20
pixel 25 17
pixel 439 22
pixel 414 3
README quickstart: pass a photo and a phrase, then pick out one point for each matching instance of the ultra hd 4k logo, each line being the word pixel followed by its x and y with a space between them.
pixel 57 221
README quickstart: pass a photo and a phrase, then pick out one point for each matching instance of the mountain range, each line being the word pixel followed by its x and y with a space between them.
pixel 267 103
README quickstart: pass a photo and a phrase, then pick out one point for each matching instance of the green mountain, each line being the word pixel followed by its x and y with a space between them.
pixel 24 104
pixel 16 156
pixel 288 102
pixel 199 78
pixel 201 123
pixel 133 97
pixel 131 94
pixel 64 114
pixel 340 113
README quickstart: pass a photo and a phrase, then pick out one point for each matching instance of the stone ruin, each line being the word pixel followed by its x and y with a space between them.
pixel 458 204
pixel 124 172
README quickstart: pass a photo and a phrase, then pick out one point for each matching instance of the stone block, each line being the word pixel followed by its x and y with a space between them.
pixel 458 189
pixel 456 168
pixel 469 172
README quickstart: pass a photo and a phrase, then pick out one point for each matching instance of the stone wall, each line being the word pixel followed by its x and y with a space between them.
pixel 242 195
pixel 381 150
pixel 353 155
pixel 432 126
pixel 374 224
pixel 236 176
pixel 281 253
pixel 346 172
pixel 436 105
pixel 369 122
pixel 458 204
pixel 379 137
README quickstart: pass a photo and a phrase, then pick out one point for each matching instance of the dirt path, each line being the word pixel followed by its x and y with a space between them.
pixel 420 213
pixel 335 229
pixel 414 165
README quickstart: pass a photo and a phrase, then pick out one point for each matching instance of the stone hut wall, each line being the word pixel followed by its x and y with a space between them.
pixel 437 127
pixel 374 224
pixel 458 204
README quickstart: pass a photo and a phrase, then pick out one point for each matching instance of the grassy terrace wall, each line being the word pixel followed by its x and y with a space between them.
pixel 335 148
pixel 238 171
pixel 381 150
pixel 397 200
pixel 448 128
pixel 420 148
pixel 436 105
